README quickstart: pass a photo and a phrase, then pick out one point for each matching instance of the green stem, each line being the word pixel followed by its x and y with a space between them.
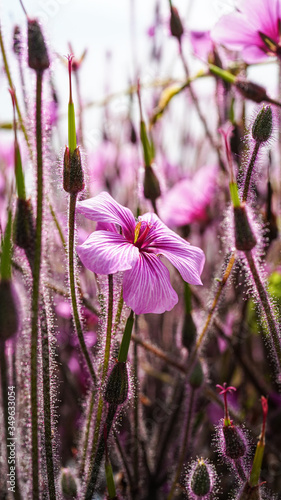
pixel 265 303
pixel 36 289
pixel 125 343
pixel 47 404
pixel 119 312
pixel 250 170
pixel 99 454
pixel 77 322
pixel 184 446
pixel 105 366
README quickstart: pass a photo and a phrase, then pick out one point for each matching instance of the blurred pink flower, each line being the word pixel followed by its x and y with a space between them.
pixel 187 201
pixel 254 29
pixel 202 43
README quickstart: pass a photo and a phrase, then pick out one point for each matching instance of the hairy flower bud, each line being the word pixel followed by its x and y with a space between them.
pixel 38 58
pixel 176 26
pixel 151 186
pixel 116 390
pixel 262 128
pixel 235 446
pixel 73 178
pixel 9 319
pixel 244 237
pixel 24 227
pixel 201 479
pixel 68 484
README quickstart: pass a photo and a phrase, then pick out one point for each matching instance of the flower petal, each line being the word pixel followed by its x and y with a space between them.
pixel 104 252
pixel 147 287
pixel 103 208
pixel 235 31
pixel 188 260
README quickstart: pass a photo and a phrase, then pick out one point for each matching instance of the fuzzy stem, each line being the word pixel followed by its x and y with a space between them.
pixel 77 322
pixel 4 387
pixel 136 417
pixel 265 303
pixel 202 335
pixel 119 312
pixel 8 73
pixel 87 433
pixel 250 170
pixel 99 455
pixel 47 404
pixel 184 446
pixel 104 369
pixel 36 289
pixel 239 468
pixel 124 460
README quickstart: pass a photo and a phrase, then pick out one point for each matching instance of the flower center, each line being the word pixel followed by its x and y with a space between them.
pixel 139 238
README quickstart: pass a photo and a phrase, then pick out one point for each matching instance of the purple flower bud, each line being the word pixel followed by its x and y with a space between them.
pixel 117 386
pixel 38 58
pixel 235 445
pixel 176 26
pixel 73 178
pixel 9 319
pixel 251 91
pixel 151 186
pixel 24 227
pixel 244 237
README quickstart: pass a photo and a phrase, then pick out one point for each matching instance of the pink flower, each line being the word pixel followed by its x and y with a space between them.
pixel 201 43
pixel 188 199
pixel 254 28
pixel 121 243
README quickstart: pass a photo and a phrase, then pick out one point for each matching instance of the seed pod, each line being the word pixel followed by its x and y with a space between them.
pixel 200 483
pixel 262 128
pixel 9 319
pixel 38 58
pixel 73 178
pixel 235 446
pixel 151 186
pixel 117 386
pixel 244 237
pixel 68 484
pixel 176 26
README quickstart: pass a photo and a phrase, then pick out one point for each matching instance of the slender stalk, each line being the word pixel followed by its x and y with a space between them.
pixel 250 170
pixel 77 322
pixel 202 335
pixel 105 367
pixel 199 112
pixel 184 446
pixel 158 352
pixel 10 81
pixel 47 404
pixel 118 312
pixel 100 452
pixel 87 433
pixel 265 303
pixel 136 417
pixel 124 460
pixel 36 289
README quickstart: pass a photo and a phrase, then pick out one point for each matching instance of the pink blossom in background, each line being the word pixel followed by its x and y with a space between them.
pixel 202 43
pixel 254 29
pixel 187 201
pixel 136 251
